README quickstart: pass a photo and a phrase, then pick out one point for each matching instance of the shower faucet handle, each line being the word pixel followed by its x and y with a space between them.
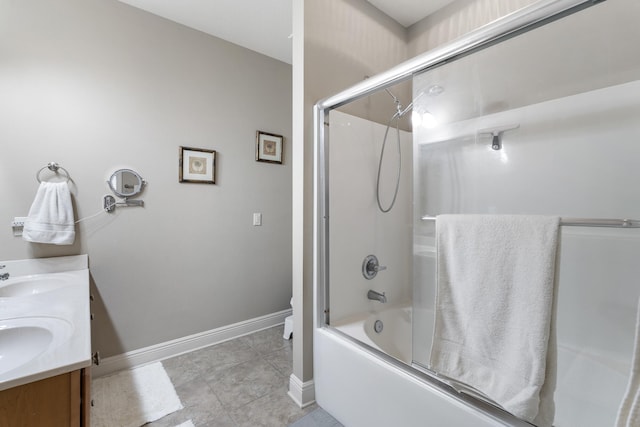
pixel 371 267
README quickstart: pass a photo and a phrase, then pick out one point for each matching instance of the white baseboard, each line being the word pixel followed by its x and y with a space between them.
pixel 186 344
pixel 303 393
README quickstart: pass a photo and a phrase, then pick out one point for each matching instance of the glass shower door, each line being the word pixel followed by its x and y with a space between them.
pixel 563 101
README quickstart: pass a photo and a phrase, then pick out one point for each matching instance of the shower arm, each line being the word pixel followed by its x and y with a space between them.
pixel 400 111
pixel 406 109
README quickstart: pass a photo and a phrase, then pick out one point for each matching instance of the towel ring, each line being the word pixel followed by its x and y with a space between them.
pixel 53 167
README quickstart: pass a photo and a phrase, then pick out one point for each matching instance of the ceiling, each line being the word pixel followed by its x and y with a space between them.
pixel 264 26
pixel 260 25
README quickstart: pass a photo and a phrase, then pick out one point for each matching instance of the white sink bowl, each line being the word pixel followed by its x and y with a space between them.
pixel 32 285
pixel 44 319
pixel 24 339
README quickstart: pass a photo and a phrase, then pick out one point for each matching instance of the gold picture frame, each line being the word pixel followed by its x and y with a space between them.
pixel 197 165
pixel 269 147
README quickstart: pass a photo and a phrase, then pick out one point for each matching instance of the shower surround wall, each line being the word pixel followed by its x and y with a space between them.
pixel 569 157
pixel 358 227
pixel 97 85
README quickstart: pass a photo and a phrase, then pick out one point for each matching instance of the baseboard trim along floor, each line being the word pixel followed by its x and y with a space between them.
pixel 303 393
pixel 186 344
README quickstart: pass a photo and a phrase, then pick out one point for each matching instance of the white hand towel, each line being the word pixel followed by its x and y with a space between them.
pixel 629 412
pixel 494 325
pixel 51 217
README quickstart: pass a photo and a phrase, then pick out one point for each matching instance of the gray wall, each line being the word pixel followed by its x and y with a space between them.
pixel 97 85
pixel 336 43
pixel 457 19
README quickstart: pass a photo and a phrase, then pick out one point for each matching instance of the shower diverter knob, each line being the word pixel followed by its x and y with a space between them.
pixel 371 266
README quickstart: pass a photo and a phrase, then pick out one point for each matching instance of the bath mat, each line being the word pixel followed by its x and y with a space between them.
pixel 134 397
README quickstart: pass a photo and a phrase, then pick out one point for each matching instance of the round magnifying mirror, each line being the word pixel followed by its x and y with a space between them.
pixel 126 183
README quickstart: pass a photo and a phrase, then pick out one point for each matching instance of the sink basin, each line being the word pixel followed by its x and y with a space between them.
pixel 24 339
pixel 44 319
pixel 32 285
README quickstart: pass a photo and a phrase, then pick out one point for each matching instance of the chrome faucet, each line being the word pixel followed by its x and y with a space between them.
pixel 3 276
pixel 376 296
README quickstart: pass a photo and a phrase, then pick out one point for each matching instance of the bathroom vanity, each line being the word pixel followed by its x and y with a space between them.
pixel 61 400
pixel 45 342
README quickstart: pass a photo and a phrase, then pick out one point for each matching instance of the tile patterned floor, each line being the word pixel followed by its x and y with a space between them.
pixel 238 383
pixel 317 418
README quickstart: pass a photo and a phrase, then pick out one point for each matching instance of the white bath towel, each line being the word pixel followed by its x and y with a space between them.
pixel 494 307
pixel 629 412
pixel 51 217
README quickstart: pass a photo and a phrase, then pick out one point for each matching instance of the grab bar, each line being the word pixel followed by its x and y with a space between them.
pixel 583 222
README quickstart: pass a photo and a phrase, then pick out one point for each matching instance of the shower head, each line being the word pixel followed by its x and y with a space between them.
pixel 427 118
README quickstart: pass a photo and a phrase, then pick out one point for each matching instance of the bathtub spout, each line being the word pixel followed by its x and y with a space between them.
pixel 376 296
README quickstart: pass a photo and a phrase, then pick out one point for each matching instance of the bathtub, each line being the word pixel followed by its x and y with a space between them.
pixel 365 378
pixel 393 336
pixel 375 380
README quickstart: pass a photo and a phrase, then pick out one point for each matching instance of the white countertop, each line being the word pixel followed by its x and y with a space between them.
pixel 62 298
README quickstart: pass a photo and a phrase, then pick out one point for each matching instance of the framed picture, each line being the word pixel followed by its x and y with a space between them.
pixel 269 147
pixel 197 165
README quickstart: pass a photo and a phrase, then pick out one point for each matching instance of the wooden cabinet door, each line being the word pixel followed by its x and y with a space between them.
pixel 85 396
pixel 52 402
